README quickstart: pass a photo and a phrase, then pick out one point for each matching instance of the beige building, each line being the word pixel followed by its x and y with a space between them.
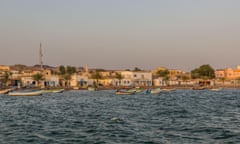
pixel 130 78
pixel 79 81
pixel 228 73
pixel 4 68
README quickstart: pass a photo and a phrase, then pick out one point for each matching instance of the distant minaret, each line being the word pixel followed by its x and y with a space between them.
pixel 86 69
pixel 40 56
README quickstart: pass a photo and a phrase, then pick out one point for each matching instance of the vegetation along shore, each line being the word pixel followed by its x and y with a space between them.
pixel 69 77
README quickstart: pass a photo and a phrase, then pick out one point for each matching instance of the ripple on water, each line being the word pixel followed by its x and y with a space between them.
pixel 182 116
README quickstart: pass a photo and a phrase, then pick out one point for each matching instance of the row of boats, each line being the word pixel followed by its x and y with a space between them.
pixel 140 90
pixel 156 90
pixel 12 92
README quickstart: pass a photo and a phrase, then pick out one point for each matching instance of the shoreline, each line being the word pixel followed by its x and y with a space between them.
pixel 162 87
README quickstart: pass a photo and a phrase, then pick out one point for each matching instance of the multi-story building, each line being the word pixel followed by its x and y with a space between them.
pixel 79 81
pixel 228 73
pixel 4 68
pixel 130 78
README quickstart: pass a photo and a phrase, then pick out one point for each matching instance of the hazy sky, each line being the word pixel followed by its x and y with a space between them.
pixel 121 34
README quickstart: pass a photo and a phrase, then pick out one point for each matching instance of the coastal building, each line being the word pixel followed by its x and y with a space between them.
pixel 4 68
pixel 26 77
pixel 50 78
pixel 228 76
pixel 79 81
pixel 228 73
pixel 106 82
pixel 130 78
pixel 173 77
pixel 159 82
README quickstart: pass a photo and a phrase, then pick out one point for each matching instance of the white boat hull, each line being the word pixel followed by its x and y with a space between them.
pixel 124 93
pixel 35 93
pixel 4 91
pixel 53 91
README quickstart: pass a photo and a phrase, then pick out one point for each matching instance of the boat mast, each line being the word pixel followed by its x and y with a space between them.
pixel 40 56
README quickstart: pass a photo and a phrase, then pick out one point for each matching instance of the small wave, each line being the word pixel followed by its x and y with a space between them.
pixel 44 137
pixel 116 119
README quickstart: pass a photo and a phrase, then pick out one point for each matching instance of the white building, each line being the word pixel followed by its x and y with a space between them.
pixel 134 79
pixel 79 81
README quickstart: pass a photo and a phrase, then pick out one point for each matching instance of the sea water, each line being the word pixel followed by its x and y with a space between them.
pixel 73 117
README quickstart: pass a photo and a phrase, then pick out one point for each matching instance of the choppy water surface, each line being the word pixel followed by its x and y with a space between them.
pixel 182 116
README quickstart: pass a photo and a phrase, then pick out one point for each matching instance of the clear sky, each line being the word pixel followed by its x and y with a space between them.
pixel 121 34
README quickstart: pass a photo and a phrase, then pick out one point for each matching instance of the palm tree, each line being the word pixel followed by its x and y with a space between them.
pixel 136 69
pixel 164 74
pixel 223 80
pixel 66 74
pixel 67 77
pixel 119 77
pixel 166 78
pixel 62 70
pixel 238 80
pixel 96 76
pixel 185 78
pixel 6 77
pixel 38 77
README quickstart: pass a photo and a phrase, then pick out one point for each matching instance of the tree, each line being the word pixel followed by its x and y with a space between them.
pixel 223 80
pixel 67 77
pixel 6 77
pixel 119 77
pixel 100 70
pixel 37 77
pixel 97 76
pixel 203 72
pixel 66 73
pixel 238 80
pixel 62 70
pixel 70 70
pixel 185 78
pixel 136 69
pixel 162 73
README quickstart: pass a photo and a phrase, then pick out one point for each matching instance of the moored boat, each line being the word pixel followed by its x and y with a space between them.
pixel 76 88
pixel 26 93
pixel 53 91
pixel 168 90
pixel 155 91
pixel 91 89
pixel 119 92
pixel 198 88
pixel 137 90
pixel 216 89
pixel 5 91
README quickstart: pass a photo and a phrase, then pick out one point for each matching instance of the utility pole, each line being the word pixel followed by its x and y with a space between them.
pixel 40 56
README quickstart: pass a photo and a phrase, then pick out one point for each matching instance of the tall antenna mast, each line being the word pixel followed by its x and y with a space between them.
pixel 40 56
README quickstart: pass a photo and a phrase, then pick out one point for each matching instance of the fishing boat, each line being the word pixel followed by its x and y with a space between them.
pixel 168 90
pixel 76 88
pixel 198 88
pixel 53 91
pixel 91 89
pixel 26 93
pixel 137 90
pixel 216 89
pixel 5 91
pixel 120 92
pixel 155 91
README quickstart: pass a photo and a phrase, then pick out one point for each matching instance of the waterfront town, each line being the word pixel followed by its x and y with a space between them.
pixel 69 77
